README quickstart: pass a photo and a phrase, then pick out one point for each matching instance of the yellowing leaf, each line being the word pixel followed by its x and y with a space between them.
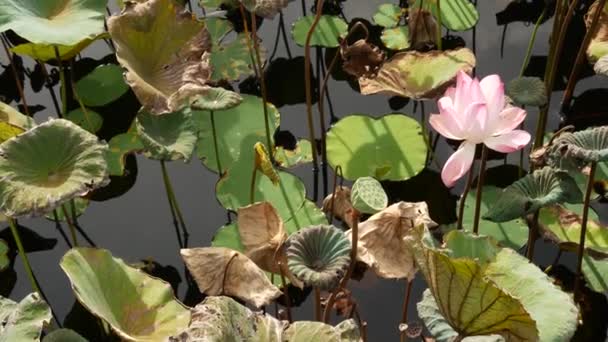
pixel 263 163
pixel 8 131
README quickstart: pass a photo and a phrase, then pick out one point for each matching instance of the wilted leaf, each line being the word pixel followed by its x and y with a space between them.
pixel 598 47
pixel 232 61
pixel 120 146
pixel 340 204
pixel 266 8
pixel 327 33
pixel 23 321
pixel 361 58
pixel 574 150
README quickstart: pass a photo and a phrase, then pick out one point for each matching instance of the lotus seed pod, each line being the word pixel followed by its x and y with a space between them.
pixel 368 196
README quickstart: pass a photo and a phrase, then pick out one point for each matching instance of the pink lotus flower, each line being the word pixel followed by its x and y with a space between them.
pixel 476 112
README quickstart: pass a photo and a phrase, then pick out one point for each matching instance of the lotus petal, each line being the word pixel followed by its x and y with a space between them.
pixel 327 33
pixel 576 150
pixel 527 91
pixel 164 49
pixel 388 148
pixel 419 75
pixel 62 22
pixel 48 165
pixel 221 271
pixel 167 137
pixel 382 243
pixel 319 256
pixel 368 196
pixel 23 321
pixel 340 204
pixel 541 188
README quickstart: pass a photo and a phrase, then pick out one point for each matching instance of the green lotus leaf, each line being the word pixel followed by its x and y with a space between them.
pixel 265 8
pixel 527 91
pixel 389 148
pixel 575 150
pixel 137 306
pixel 327 33
pixel 232 61
pixel 292 158
pixel 167 137
pixel 456 15
pixel 596 273
pixel 513 234
pixel 388 15
pixel 64 335
pixel 120 146
pixel 218 28
pixel 23 321
pixel 165 52
pixel 217 99
pixel 46 52
pixel 539 189
pixel 318 256
pixel 9 115
pixel 48 165
pixel 237 129
pixel 61 22
pixel 302 331
pixel 90 120
pixel 101 86
pixel 368 196
pixel 4 261
pixel 77 206
pixel 598 47
pixel 564 228
pixel 308 215
pixel 397 38
pixel 419 75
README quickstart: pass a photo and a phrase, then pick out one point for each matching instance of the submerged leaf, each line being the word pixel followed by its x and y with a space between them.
pixel 221 271
pixel 368 196
pixel 327 33
pixel 539 189
pixel 167 137
pixel 164 49
pixel 527 91
pixel 23 321
pixel 319 256
pixel 48 165
pixel 419 75
pixel 137 306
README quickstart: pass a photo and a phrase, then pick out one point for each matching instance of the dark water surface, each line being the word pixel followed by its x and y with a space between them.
pixel 138 225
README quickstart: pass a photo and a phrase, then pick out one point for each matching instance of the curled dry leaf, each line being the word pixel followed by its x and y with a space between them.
pixel 382 243
pixel 422 27
pixel 263 234
pixel 341 204
pixel 165 52
pixel 361 58
pixel 222 271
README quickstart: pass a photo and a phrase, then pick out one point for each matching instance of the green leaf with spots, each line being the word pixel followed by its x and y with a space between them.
pixel 388 148
pixel 167 137
pixel 232 61
pixel 327 33
pixel 137 306
pixel 87 119
pixel 120 146
pixel 23 321
pixel 101 86
pixel 397 38
pixel 388 15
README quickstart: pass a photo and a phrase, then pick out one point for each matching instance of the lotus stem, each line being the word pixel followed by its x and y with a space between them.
pixel 167 183
pixel 75 93
pixel 62 78
pixel 18 83
pixel 215 146
pixel 531 42
pixel 47 84
pixel 248 40
pixel 252 185
pixel 439 25
pixel 178 211
pixel 551 69
pixel 532 235
pixel 285 293
pixel 337 173
pixel 307 82
pixel 406 304
pixel 318 309
pixel 68 219
pixel 463 199
pixel 581 243
pixel 576 68
pixel 23 255
pixel 60 229
pixel 480 179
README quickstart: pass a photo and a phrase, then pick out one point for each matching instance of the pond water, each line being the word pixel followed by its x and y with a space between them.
pixel 138 224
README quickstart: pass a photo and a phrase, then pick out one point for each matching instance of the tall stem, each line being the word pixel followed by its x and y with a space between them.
pixel 18 83
pixel 581 243
pixel 406 304
pixel 286 294
pixel 220 171
pixel 167 183
pixel 71 225
pixel 23 255
pixel 252 185
pixel 318 313
pixel 480 179
pixel 62 78
pixel 174 203
pixel 438 41
pixel 531 42
pixel 463 198
pixel 532 235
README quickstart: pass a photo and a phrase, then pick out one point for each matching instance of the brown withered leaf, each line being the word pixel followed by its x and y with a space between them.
pixel 222 271
pixel 422 27
pixel 341 204
pixel 361 58
pixel 381 239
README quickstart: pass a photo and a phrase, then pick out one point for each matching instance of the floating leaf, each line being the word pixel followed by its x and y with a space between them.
pixel 368 196
pixel 232 61
pixel 264 164
pixel 564 227
pixel 456 15
pixel 308 215
pixel 61 22
pixel 48 165
pixel 527 91
pixel 596 273
pixel 81 204
pixel 339 203
pixel 237 130
pixel 580 148
pixel 598 47
pixel 101 86
pixel 221 271
pixel 120 146
pixel 137 306
pixel 88 119
pixel 164 50
pixel 382 243
pixel 167 137
pixel 4 261
pixel 539 189
pixel 292 158
pixel 389 148
pixel 397 38
pixel 23 321
pixel 319 256
pixel 217 99
pixel 327 33
pixel 419 75
pixel 64 335
pixel 388 15
pixel 266 8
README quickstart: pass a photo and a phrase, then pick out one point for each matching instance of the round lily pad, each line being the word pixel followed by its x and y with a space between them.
pixel 388 15
pixel 527 91
pixel 326 34
pixel 48 165
pixel 368 196
pixel 167 137
pixel 102 86
pixel 88 119
pixel 232 61
pixel 64 22
pixel 456 15
pixel 397 38
pixel 319 256
pixel 389 148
